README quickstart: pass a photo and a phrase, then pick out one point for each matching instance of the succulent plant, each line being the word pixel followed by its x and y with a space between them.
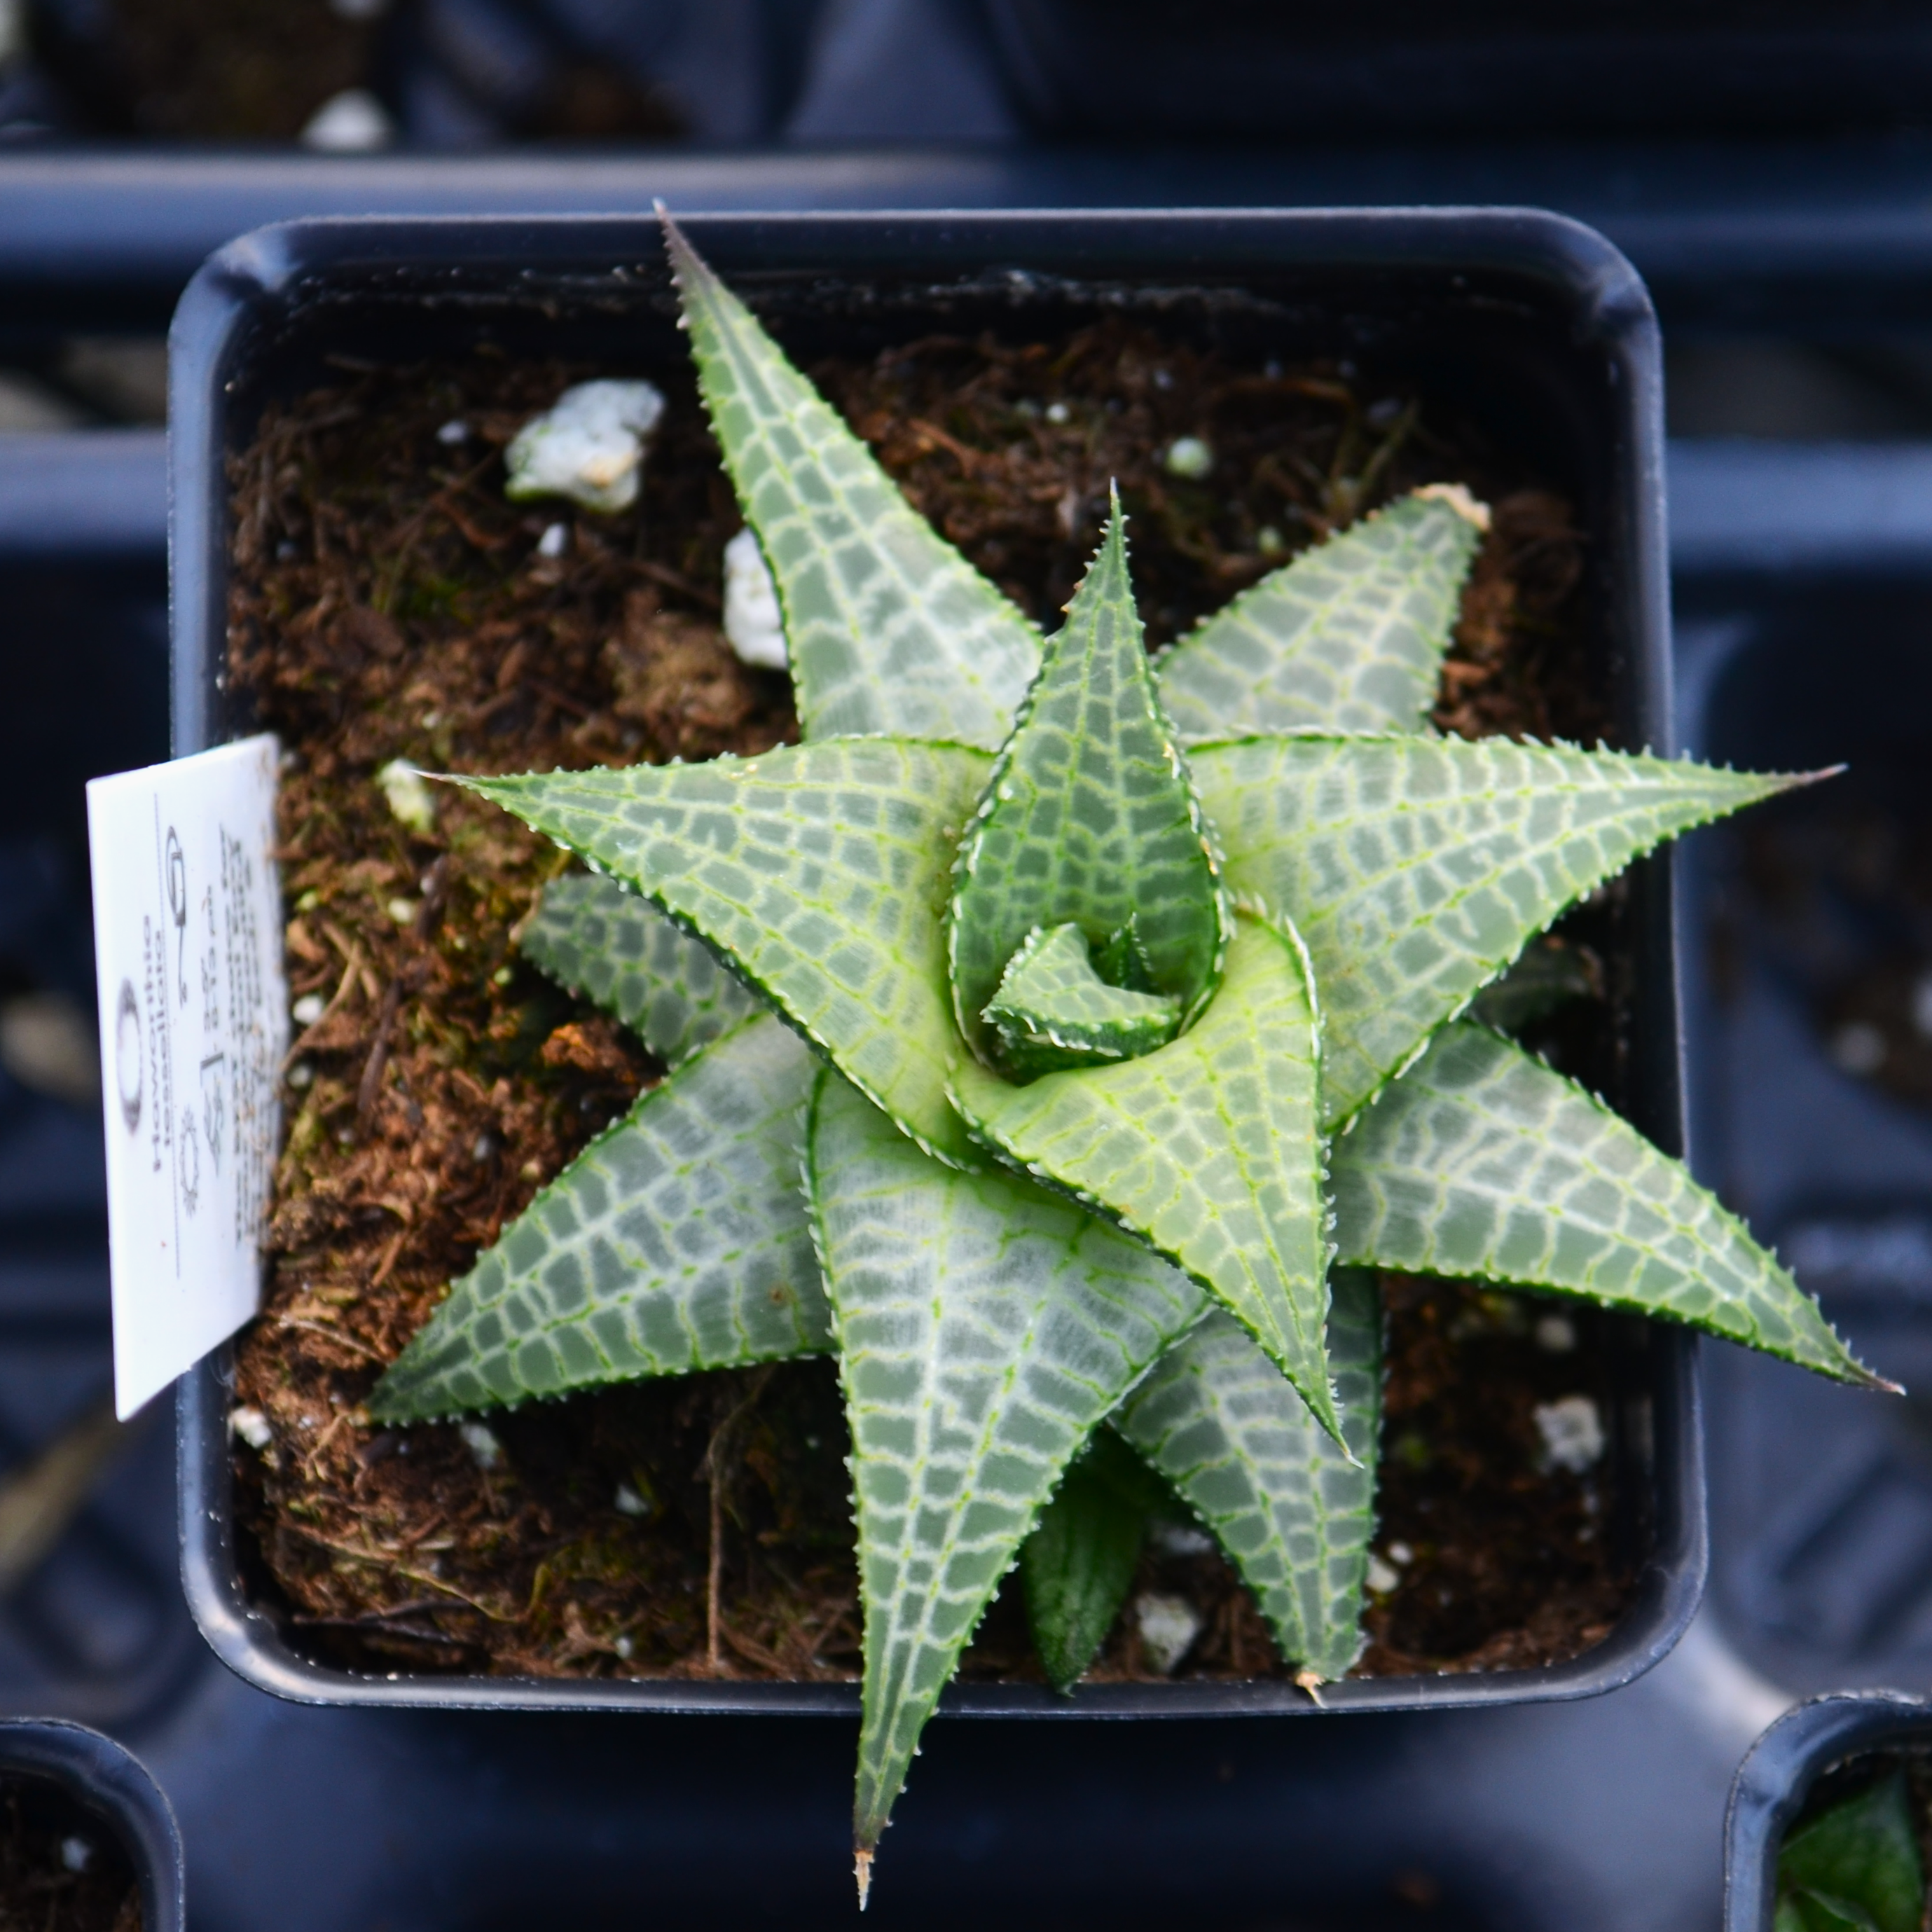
pixel 1060 1038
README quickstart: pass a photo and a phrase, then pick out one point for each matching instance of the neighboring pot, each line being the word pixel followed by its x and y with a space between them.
pixel 1524 317
pixel 110 1789
pixel 1777 1774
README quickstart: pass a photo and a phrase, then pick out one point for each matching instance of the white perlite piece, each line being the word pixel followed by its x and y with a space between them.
pixel 352 122
pixel 251 1426
pixel 1573 1432
pixel 410 799
pixel 1181 1539
pixel 1168 1627
pixel 588 446
pixel 754 624
pixel 480 1440
pixel 1381 1578
pixel 1190 457
pixel 1556 1334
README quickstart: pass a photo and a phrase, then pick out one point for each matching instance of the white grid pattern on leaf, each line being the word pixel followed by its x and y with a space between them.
pixel 1207 1149
pixel 1220 1422
pixel 1349 637
pixel 984 1328
pixel 1416 869
pixel 890 628
pixel 676 1240
pixel 822 870
pixel 601 939
pixel 1089 818
pixel 1481 1162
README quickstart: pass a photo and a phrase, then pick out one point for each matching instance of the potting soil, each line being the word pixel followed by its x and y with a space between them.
pixel 388 602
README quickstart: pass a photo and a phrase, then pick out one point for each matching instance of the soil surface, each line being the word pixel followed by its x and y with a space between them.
pixel 387 602
pixel 58 1874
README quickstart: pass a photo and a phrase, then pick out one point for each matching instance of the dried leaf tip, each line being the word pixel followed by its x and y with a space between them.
pixel 862 1870
pixel 1457 496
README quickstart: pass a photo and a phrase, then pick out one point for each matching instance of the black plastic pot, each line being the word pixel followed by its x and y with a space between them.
pixel 1534 324
pixel 1778 1773
pixel 104 1787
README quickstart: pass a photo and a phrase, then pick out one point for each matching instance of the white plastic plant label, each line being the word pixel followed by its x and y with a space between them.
pixel 187 948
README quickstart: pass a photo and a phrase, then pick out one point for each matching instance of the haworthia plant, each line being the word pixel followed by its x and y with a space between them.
pixel 1052 1065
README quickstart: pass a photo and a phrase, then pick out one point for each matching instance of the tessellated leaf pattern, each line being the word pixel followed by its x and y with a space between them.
pixel 1089 818
pixel 676 1240
pixel 1416 869
pixel 1053 1008
pixel 1295 1515
pixel 984 1327
pixel 890 628
pixel 1349 637
pixel 599 939
pixel 822 871
pixel 1207 1149
pixel 1480 1162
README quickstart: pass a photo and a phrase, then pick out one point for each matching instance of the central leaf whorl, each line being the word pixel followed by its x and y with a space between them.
pixel 1087 921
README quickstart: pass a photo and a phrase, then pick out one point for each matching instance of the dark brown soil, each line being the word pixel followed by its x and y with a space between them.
pixel 42 1843
pixel 388 602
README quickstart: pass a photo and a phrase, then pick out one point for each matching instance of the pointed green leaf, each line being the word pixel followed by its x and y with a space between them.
pixel 599 939
pixel 1481 1162
pixel 1416 869
pixel 820 870
pixel 1078 1563
pixel 1207 1149
pixel 1295 1517
pixel 984 1328
pixel 1089 817
pixel 1860 1860
pixel 1053 1010
pixel 1349 637
pixel 890 628
pixel 676 1240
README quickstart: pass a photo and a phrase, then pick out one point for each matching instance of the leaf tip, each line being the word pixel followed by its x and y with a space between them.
pixel 1457 497
pixel 1311 1680
pixel 861 1872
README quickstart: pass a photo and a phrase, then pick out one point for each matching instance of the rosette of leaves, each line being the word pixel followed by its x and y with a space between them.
pixel 1060 1038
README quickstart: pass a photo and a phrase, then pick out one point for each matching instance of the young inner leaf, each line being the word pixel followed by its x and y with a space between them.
pixel 1089 819
pixel 1053 1010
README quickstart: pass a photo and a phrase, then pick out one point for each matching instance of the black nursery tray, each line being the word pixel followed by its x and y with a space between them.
pixel 1532 322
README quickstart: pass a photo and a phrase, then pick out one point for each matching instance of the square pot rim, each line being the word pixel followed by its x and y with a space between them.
pixel 1777 1776
pixel 1605 306
pixel 108 1780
